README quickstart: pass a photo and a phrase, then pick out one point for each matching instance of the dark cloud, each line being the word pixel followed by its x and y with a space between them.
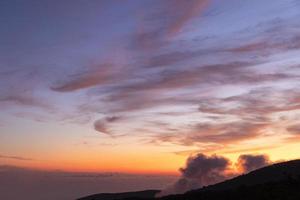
pixel 294 129
pixel 113 118
pixel 101 125
pixel 200 170
pixel 203 167
pixel 247 162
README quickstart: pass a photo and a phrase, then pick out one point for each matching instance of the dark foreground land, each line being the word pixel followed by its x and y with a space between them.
pixel 276 182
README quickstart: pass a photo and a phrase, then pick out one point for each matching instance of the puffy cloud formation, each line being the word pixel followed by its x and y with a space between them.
pixel 247 163
pixel 204 168
pixel 200 170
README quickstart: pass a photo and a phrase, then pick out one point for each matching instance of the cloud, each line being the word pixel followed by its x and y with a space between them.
pixel 249 115
pixel 101 125
pixel 269 43
pixel 24 99
pixel 213 136
pixel 97 75
pixel 227 132
pixel 294 129
pixel 166 22
pixel 200 170
pixel 216 76
pixel 260 101
pixel 113 118
pixel 203 167
pixel 181 12
pixel 16 158
pixel 293 133
pixel 161 78
pixel 151 91
pixel 247 162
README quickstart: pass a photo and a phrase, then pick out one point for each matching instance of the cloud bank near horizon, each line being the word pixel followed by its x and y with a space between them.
pixel 20 183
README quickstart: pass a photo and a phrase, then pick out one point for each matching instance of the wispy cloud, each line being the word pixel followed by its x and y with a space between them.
pixel 102 74
pixel 20 158
pixel 210 74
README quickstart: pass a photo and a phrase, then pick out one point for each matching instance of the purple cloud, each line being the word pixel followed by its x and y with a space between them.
pixel 200 170
pixel 247 162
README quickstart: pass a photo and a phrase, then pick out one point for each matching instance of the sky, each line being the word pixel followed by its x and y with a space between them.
pixel 138 86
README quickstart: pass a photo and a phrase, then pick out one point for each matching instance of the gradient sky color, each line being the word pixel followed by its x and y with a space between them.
pixel 137 86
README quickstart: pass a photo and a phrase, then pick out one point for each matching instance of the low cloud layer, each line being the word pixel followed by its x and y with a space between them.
pixel 23 183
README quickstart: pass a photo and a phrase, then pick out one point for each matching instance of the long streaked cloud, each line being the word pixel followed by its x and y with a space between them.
pixel 20 158
pixel 295 129
pixel 98 75
pixel 220 134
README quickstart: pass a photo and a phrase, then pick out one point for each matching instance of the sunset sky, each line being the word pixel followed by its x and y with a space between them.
pixel 136 86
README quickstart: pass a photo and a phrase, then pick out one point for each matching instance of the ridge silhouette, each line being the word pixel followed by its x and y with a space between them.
pixel 280 181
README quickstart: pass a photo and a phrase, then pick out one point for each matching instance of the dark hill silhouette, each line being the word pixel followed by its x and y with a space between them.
pixel 125 195
pixel 279 181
